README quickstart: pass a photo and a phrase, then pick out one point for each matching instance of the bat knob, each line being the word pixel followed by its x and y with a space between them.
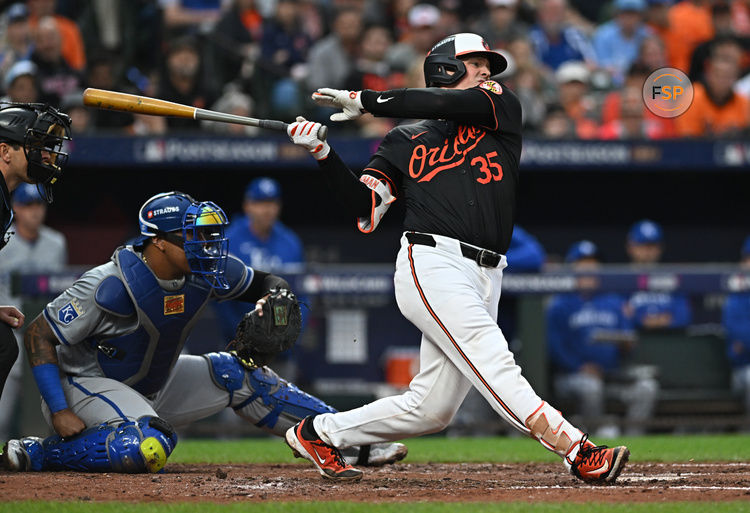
pixel 323 132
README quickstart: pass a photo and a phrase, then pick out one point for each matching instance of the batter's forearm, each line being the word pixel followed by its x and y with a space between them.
pixel 354 195
pixel 467 106
pixel 40 343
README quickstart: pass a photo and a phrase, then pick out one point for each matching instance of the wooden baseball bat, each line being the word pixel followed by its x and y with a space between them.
pixel 113 100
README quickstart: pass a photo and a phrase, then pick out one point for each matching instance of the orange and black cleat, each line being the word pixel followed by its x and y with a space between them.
pixel 599 464
pixel 328 460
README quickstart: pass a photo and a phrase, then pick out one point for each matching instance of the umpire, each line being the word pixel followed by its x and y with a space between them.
pixel 31 140
pixel 457 171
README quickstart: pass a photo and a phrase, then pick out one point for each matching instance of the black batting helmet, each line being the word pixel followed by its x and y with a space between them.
pixel 445 56
pixel 37 128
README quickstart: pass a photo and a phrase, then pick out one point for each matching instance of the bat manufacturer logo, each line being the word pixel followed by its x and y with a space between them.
pixel 69 312
pixel 380 99
pixel 174 304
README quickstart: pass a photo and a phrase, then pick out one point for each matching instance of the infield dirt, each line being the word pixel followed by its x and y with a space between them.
pixel 640 482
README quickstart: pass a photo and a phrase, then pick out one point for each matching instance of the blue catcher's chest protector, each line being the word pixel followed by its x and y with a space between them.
pixel 142 359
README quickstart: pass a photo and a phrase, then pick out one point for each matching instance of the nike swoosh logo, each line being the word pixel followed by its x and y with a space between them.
pixel 380 99
pixel 420 133
pixel 600 470
pixel 323 461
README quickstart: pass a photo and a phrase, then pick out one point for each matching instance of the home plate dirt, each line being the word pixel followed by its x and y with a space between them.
pixel 640 482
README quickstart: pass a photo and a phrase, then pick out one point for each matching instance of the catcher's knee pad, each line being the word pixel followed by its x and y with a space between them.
pixel 227 372
pixel 279 398
pixel 130 447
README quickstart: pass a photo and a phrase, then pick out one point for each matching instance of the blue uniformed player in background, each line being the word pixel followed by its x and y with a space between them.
pixel 653 309
pixel 105 354
pixel 261 241
pixel 736 319
pixel 588 334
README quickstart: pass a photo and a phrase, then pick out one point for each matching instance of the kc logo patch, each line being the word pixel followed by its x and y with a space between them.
pixel 174 304
pixel 69 312
pixel 492 86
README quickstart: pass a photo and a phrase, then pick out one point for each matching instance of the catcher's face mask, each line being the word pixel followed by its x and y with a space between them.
pixel 43 146
pixel 206 247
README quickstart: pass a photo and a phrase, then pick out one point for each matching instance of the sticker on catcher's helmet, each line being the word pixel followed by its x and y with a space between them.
pixel 174 304
pixel 492 86
pixel 69 312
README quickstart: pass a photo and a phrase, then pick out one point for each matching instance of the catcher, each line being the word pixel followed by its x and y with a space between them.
pixel 105 354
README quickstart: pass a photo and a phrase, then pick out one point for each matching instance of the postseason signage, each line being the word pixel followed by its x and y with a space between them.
pixel 278 151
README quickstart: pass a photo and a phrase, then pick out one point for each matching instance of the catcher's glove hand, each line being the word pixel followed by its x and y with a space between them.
pixel 271 328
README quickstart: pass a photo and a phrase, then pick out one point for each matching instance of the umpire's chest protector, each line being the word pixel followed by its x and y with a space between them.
pixel 142 359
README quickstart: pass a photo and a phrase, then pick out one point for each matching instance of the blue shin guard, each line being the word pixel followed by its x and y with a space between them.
pixel 131 447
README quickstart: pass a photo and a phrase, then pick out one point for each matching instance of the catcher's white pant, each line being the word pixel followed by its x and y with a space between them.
pixel 190 394
pixel 454 302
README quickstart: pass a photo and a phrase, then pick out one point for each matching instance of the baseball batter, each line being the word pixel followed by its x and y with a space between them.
pixel 105 354
pixel 31 139
pixel 457 171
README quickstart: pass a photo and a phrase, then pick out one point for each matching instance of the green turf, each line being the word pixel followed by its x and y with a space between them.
pixel 472 450
pixel 347 507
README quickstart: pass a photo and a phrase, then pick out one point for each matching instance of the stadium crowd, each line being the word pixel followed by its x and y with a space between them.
pixel 578 66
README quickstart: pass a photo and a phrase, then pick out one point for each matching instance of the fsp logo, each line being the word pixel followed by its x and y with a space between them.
pixel 668 92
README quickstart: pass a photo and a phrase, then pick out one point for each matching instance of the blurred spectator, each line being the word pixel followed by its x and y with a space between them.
pixel 618 42
pixel 652 54
pixel 183 17
pixel 20 83
pixel 331 59
pixel 182 82
pixel 634 120
pixel 573 81
pixel 525 254
pixel 588 335
pixel 534 84
pixel 80 115
pixel 261 241
pixel 555 41
pixel 16 44
pixel 657 18
pixel 725 44
pixel 235 41
pixel 422 32
pixel 33 248
pixel 716 109
pixel 741 17
pixel 690 24
pixel 557 124
pixel 653 309
pixel 233 101
pixel 736 320
pixel 101 74
pixel 501 26
pixel 55 77
pixel 71 41
pixel 372 71
pixel 284 48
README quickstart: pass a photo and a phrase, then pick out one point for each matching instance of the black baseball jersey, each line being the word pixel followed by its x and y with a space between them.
pixel 458 179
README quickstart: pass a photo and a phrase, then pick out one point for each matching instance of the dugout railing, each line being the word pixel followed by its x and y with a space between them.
pixel 356 346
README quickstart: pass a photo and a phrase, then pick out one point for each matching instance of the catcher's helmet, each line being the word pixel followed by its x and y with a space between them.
pixel 445 56
pixel 38 128
pixel 200 232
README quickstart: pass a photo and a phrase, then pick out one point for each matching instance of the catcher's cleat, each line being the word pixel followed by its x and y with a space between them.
pixel 326 458
pixel 599 464
pixel 375 455
pixel 20 455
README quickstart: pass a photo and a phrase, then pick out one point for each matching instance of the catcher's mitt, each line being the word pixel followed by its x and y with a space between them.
pixel 259 338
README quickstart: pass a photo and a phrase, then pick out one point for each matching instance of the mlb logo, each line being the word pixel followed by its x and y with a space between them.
pixel 69 313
